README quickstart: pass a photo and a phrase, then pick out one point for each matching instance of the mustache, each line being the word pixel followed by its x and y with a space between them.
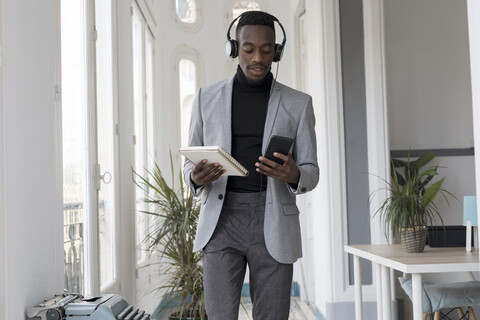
pixel 258 66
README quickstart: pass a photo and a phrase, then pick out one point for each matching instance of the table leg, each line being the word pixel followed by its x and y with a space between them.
pixel 357 275
pixel 387 300
pixel 379 290
pixel 393 281
pixel 417 296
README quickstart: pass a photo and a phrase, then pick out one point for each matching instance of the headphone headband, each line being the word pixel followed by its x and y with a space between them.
pixel 231 46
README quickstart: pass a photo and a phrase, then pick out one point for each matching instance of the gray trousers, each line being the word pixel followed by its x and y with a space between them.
pixel 238 240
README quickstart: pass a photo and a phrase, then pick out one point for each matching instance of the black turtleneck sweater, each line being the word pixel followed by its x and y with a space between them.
pixel 249 111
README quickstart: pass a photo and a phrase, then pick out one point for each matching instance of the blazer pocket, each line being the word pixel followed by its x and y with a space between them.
pixel 290 210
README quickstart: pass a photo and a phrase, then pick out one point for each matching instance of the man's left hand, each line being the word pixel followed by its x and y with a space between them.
pixel 286 172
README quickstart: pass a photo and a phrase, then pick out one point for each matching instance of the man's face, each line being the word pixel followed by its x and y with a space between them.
pixel 256 47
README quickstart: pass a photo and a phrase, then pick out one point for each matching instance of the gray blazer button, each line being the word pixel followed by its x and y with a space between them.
pixel 220 196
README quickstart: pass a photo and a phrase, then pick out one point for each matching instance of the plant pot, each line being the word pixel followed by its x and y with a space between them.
pixel 413 239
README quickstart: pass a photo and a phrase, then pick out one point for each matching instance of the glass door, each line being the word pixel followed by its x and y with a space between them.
pixel 106 143
pixel 139 94
pixel 143 98
pixel 89 144
pixel 75 142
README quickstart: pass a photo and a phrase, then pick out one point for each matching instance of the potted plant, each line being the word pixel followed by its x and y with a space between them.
pixel 175 213
pixel 409 207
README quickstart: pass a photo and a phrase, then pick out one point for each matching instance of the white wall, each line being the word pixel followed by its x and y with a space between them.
pixel 474 32
pixel 429 88
pixel 428 74
pixel 3 279
pixel 33 237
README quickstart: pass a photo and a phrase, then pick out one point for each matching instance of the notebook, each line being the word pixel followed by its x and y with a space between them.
pixel 215 154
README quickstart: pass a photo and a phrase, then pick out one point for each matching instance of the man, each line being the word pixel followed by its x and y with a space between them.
pixel 251 220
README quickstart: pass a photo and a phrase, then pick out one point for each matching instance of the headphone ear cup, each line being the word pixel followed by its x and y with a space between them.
pixel 231 48
pixel 278 52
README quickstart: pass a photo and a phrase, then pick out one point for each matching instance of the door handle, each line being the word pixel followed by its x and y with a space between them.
pixel 106 177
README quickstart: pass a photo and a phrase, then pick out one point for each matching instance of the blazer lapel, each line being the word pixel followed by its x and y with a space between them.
pixel 273 104
pixel 227 91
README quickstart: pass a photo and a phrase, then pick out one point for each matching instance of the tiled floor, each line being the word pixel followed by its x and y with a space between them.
pixel 299 310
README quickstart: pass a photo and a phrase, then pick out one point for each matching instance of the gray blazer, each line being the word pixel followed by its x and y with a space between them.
pixel 290 114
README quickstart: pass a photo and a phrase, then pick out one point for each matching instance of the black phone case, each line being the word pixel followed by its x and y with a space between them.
pixel 278 144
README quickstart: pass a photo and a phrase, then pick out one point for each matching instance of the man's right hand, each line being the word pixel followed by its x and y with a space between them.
pixel 203 174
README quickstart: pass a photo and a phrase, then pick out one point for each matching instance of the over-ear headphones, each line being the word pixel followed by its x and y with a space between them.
pixel 231 46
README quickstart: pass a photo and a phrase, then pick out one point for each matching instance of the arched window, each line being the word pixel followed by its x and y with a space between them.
pixel 188 14
pixel 186 10
pixel 242 6
pixel 187 74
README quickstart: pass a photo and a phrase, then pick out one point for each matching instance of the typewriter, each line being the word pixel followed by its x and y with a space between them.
pixel 94 307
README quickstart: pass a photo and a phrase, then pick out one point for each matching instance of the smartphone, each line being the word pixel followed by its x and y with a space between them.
pixel 278 144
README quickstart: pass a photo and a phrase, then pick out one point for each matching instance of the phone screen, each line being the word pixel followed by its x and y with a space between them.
pixel 278 144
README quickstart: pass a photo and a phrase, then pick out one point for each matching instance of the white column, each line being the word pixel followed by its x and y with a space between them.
pixel 357 274
pixel 473 7
pixel 324 58
pixel 377 124
pixel 387 300
pixel 417 296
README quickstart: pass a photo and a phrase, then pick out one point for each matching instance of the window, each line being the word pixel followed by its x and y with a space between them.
pixel 188 14
pixel 187 72
pixel 186 10
pixel 188 76
pixel 236 8
pixel 105 141
pixel 143 85
pixel 74 112
pixel 88 122
pixel 243 6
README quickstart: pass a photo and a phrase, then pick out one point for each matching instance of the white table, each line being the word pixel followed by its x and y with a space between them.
pixel 432 260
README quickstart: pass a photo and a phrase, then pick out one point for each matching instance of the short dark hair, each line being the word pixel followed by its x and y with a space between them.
pixel 254 18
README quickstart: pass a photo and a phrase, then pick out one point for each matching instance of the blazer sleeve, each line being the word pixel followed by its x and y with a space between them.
pixel 195 138
pixel 305 152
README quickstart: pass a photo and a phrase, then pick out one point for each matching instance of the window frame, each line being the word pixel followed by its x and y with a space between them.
pixel 147 123
pixel 185 26
pixel 91 252
pixel 228 9
pixel 187 53
pixel 114 284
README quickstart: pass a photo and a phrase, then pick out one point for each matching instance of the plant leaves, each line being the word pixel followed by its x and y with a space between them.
pixel 174 217
pixel 431 193
pixel 410 200
pixel 424 159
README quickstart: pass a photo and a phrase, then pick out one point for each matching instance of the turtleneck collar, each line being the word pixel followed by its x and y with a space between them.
pixel 244 83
